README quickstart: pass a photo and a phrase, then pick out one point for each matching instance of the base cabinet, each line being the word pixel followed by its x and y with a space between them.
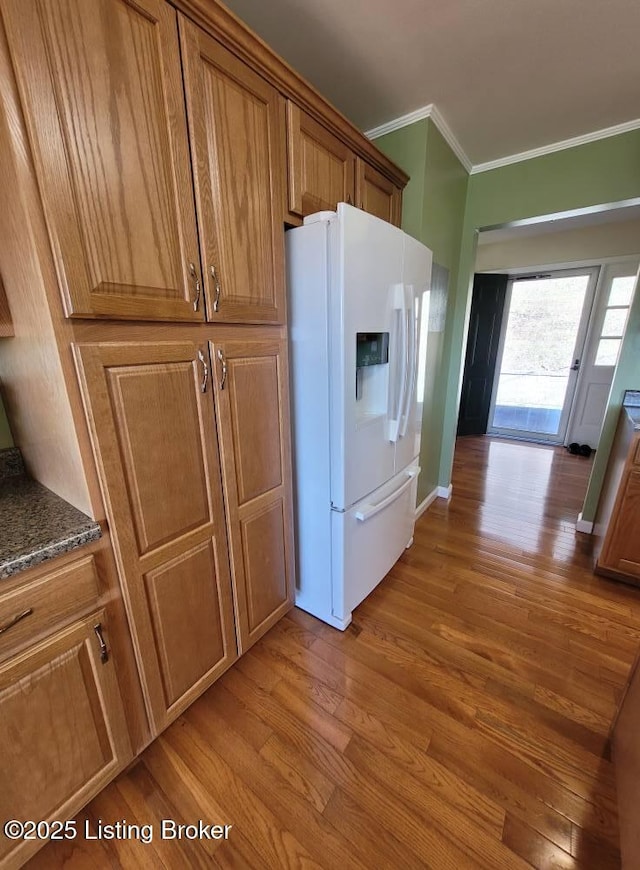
pixel 618 521
pixel 63 734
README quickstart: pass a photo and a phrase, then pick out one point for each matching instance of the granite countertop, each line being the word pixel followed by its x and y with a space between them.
pixel 35 524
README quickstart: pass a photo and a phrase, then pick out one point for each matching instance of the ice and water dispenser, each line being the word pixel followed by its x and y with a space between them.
pixel 372 358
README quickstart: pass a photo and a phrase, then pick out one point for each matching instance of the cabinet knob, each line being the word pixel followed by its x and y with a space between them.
pixel 196 297
pixel 216 282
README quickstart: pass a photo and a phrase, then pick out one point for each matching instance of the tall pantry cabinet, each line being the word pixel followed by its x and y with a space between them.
pixel 159 157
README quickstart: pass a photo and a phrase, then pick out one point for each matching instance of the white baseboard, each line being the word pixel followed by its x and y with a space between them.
pixel 583 525
pixel 438 492
pixel 424 504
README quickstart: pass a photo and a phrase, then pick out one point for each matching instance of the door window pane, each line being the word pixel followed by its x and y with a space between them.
pixel 542 326
pixel 614 321
pixel 608 350
pixel 621 290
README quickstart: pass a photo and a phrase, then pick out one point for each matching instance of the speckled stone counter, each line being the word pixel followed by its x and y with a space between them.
pixel 35 524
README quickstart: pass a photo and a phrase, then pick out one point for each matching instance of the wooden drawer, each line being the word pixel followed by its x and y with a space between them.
pixel 54 599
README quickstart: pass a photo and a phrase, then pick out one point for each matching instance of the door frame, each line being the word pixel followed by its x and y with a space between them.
pixel 609 270
pixel 578 351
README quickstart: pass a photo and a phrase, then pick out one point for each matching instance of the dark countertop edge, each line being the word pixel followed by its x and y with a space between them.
pixel 24 561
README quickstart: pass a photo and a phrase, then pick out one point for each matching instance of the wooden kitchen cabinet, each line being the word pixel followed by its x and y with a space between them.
pixel 253 422
pixel 321 166
pixel 101 88
pixel 617 525
pixel 621 551
pixel 237 129
pixel 152 418
pixel 63 734
pixel 377 194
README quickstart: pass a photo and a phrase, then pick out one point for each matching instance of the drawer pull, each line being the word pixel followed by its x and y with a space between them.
pixel 104 652
pixel 16 619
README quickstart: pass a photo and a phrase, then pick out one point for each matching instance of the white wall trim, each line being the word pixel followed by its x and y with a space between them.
pixel 426 502
pixel 430 111
pixel 583 525
pixel 594 136
pixel 398 123
pixel 444 491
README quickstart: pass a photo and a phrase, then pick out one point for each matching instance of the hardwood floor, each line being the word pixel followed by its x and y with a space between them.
pixel 462 720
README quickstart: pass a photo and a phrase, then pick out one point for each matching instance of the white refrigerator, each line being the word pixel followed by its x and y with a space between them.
pixel 358 291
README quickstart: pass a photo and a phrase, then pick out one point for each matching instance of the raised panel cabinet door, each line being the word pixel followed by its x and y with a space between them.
pixel 237 128
pixel 321 167
pixel 252 405
pixel 377 194
pixel 622 550
pixel 63 734
pixel 152 423
pixel 101 86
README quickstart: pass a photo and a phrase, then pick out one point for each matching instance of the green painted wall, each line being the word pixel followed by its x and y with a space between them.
pixel 600 172
pixel 433 207
pixel 407 147
pixel 5 433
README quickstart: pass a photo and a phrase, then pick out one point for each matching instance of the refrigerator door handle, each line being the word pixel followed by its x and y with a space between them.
pixel 411 362
pixel 370 510
pixel 398 387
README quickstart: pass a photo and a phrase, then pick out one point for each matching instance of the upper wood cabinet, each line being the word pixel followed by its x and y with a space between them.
pixel 152 419
pixel 101 88
pixel 237 128
pixel 321 166
pixel 377 194
pixel 253 422
pixel 63 735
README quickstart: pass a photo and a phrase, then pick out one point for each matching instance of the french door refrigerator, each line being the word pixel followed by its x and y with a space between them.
pixel 357 291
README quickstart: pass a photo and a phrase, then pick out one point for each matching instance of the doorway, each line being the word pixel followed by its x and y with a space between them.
pixel 544 328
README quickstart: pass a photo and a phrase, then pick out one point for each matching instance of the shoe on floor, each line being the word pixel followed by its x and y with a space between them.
pixel 574 448
pixel 585 450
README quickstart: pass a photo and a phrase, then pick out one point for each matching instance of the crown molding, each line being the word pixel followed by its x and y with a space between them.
pixel 557 146
pixel 430 111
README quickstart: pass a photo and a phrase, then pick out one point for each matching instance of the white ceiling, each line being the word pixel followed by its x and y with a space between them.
pixel 506 75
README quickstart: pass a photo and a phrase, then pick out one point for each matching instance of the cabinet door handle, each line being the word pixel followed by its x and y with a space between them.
pixel 216 281
pixel 15 620
pixel 104 652
pixel 205 372
pixel 194 275
pixel 223 363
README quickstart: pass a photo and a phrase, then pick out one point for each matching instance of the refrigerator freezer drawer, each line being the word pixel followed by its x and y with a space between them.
pixel 368 539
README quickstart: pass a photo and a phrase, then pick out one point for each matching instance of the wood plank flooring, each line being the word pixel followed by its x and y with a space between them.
pixel 462 721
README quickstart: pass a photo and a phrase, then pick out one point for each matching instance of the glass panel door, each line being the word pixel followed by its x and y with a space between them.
pixel 539 358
